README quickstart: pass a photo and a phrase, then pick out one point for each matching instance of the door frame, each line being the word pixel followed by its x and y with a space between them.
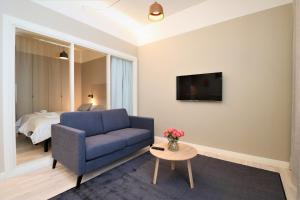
pixel 7 85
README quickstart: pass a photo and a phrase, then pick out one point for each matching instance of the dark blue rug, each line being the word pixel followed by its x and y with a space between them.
pixel 214 180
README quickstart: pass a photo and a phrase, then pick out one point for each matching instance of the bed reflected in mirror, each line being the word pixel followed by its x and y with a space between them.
pixel 42 92
pixel 43 89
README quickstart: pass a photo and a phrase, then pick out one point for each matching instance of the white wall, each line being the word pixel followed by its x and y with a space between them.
pixel 40 15
pixel 295 150
pixel 77 84
pixel 37 14
pixel 1 101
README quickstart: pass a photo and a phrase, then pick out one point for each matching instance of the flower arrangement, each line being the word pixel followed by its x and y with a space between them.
pixel 173 133
pixel 173 136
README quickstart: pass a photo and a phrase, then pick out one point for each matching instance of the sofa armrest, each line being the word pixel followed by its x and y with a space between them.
pixel 68 147
pixel 144 123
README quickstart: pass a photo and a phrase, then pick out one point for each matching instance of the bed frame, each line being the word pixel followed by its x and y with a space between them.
pixel 47 144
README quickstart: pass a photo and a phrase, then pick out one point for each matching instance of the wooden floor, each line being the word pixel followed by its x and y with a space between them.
pixel 46 183
pixel 26 151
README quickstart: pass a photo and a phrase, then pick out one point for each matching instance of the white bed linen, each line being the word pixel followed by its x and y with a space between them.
pixel 37 126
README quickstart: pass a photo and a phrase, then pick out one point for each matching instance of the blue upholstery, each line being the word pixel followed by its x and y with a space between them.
pixel 85 141
pixel 103 144
pixel 68 146
pixel 131 135
pixel 115 119
pixel 90 122
pixel 109 158
pixel 143 123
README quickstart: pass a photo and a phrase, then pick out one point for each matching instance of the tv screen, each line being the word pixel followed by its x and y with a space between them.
pixel 200 87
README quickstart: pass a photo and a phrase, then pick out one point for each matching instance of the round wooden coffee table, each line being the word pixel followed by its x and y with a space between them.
pixel 185 153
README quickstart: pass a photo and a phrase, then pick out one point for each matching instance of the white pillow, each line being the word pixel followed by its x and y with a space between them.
pixel 98 107
pixel 85 107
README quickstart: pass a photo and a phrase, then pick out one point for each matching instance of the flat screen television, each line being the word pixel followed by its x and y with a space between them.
pixel 198 87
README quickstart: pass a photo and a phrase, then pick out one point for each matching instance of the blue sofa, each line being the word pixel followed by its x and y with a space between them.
pixel 85 141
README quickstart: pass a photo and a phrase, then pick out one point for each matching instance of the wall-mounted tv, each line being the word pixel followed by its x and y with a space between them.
pixel 198 87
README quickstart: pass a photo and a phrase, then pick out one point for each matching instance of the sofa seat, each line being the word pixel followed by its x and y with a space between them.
pixel 131 135
pixel 85 141
pixel 103 144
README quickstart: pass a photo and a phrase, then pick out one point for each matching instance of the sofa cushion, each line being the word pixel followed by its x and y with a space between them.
pixel 131 135
pixel 115 119
pixel 103 144
pixel 90 122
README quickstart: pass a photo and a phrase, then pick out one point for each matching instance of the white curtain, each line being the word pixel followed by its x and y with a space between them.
pixel 121 84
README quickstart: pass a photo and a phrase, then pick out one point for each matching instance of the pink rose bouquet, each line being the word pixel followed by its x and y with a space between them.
pixel 172 133
pixel 173 136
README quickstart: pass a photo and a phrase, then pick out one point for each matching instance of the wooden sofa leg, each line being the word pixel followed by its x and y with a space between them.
pixel 79 178
pixel 54 164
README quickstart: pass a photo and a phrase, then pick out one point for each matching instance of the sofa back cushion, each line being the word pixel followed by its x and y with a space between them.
pixel 90 122
pixel 115 119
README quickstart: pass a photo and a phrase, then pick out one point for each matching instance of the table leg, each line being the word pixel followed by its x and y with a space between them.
pixel 155 170
pixel 173 165
pixel 189 166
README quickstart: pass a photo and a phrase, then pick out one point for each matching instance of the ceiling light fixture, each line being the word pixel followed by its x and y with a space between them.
pixel 156 12
pixel 63 55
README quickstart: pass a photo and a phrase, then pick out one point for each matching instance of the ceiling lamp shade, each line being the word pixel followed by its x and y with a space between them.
pixel 156 12
pixel 63 55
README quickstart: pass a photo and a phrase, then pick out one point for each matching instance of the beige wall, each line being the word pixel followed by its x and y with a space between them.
pixel 93 80
pixel 254 54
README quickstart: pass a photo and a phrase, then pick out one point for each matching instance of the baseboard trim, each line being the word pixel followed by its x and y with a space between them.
pixel 240 158
pixel 231 156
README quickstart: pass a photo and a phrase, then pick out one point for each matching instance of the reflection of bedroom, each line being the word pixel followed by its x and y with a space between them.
pixel 90 80
pixel 43 89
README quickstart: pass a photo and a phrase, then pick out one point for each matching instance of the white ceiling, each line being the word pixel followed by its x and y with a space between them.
pixel 135 9
pixel 127 19
pixel 138 9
